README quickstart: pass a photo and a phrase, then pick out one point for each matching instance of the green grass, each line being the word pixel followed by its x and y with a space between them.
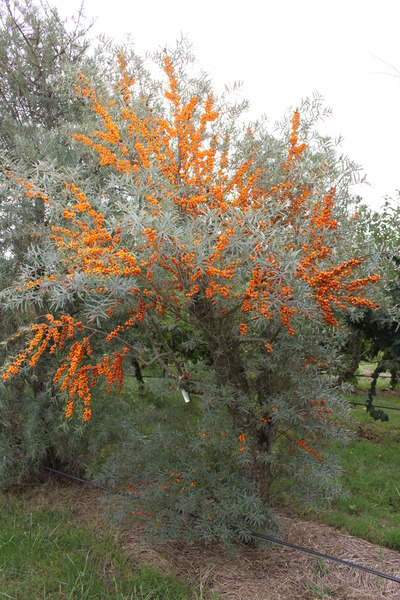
pixel 45 555
pixel 371 509
pixel 371 474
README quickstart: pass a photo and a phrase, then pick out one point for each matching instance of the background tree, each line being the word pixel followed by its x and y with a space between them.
pixel 375 335
pixel 40 55
pixel 233 234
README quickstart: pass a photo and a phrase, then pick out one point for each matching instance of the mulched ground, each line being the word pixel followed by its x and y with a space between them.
pixel 279 574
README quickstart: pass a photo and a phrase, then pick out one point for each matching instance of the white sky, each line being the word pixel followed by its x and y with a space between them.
pixel 284 50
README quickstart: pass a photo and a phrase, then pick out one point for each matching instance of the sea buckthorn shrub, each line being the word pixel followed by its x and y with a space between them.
pixel 241 239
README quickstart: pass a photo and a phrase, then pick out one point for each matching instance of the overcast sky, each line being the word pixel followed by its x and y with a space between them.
pixel 284 51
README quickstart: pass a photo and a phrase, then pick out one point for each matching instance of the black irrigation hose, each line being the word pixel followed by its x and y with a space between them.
pixel 91 483
pixel 254 534
pixel 375 405
pixel 347 563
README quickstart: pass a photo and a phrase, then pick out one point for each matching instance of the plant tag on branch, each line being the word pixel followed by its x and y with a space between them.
pixel 185 396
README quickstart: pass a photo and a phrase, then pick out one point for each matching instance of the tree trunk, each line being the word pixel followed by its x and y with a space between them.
pixel 355 358
pixel 225 354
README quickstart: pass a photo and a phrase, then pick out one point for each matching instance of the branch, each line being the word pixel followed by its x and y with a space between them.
pixel 277 332
pixel 154 359
pixel 249 340
pixel 257 340
pixel 167 347
pixel 179 165
pixel 117 337
pixel 154 347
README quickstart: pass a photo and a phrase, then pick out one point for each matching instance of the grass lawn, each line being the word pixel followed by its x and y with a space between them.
pixel 371 474
pixel 46 554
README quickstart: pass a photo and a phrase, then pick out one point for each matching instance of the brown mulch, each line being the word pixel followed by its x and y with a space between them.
pixel 278 574
pixel 282 573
